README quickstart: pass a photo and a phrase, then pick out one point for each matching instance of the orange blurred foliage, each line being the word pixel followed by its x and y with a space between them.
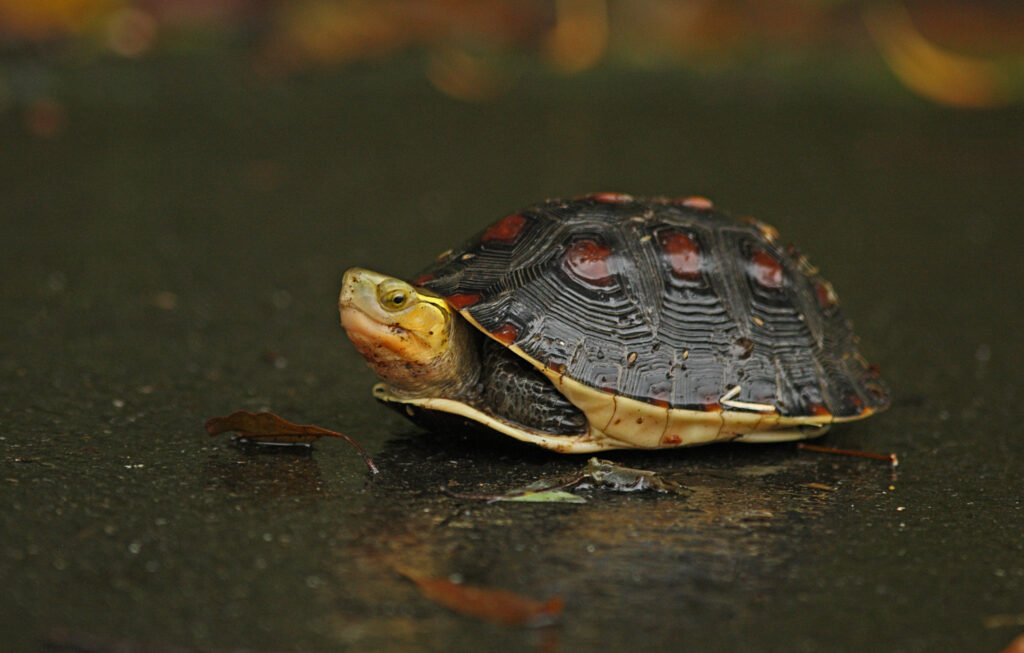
pixel 957 52
pixel 40 20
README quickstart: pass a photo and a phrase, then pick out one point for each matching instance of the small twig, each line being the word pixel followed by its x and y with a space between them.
pixel 890 457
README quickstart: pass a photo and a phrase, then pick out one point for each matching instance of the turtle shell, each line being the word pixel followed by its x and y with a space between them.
pixel 668 302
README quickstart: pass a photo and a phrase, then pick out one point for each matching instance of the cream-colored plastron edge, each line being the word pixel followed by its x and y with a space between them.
pixel 560 443
pixel 616 422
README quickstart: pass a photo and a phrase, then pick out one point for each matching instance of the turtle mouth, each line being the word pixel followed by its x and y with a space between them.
pixel 399 356
pixel 370 336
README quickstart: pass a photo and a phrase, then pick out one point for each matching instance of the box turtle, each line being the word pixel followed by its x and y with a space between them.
pixel 610 322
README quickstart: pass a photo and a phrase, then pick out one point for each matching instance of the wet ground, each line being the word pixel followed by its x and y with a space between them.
pixel 175 253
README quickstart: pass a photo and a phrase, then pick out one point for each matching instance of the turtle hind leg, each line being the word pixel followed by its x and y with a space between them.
pixel 514 391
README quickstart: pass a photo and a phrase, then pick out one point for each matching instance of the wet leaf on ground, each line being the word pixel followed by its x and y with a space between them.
pixel 268 428
pixel 495 606
pixel 601 474
pixel 542 492
pixel 1016 646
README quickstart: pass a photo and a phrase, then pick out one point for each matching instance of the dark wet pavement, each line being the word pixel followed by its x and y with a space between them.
pixel 175 254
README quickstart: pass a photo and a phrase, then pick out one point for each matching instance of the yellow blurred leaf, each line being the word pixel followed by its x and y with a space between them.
pixel 41 19
pixel 933 72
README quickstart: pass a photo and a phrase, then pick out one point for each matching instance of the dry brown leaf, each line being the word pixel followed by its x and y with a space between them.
pixel 1016 646
pixel 818 486
pixel 496 606
pixel 271 429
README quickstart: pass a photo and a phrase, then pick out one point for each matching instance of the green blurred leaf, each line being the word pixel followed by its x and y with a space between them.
pixel 544 496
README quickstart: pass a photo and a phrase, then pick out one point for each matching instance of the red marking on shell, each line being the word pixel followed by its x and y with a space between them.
pixel 696 202
pixel 766 269
pixel 671 439
pixel 422 279
pixel 712 407
pixel 607 198
pixel 818 409
pixel 506 333
pixel 555 367
pixel 588 260
pixel 462 300
pixel 661 403
pixel 826 295
pixel 682 253
pixel 505 230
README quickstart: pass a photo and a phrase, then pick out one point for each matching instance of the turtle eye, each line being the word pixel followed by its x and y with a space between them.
pixel 394 299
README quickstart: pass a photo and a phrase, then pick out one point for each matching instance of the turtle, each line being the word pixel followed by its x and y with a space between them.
pixel 615 322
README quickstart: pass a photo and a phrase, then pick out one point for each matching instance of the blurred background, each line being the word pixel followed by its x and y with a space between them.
pixel 951 52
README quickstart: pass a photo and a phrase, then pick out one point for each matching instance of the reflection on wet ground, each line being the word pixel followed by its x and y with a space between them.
pixel 266 472
pixel 657 562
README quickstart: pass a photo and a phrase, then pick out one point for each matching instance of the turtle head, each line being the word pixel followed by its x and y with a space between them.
pixel 408 335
